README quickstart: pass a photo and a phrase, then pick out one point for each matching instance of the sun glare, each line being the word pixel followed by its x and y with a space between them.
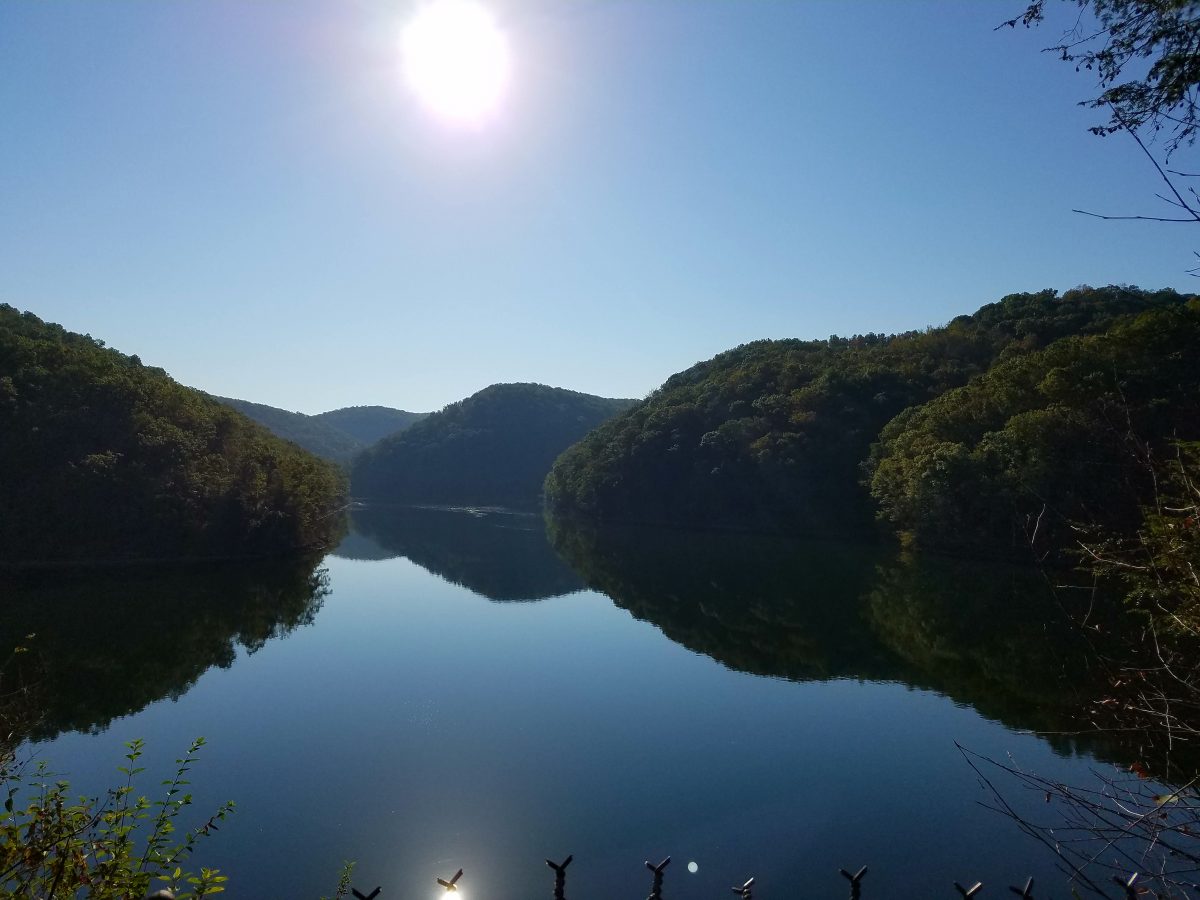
pixel 456 60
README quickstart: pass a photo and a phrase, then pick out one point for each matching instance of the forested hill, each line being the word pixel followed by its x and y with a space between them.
pixel 368 424
pixel 773 434
pixel 494 447
pixel 102 457
pixel 309 432
pixel 335 435
pixel 1049 446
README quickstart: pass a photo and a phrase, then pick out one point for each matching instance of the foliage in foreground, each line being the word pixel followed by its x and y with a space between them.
pixel 1144 56
pixel 1155 685
pixel 117 847
pixel 1159 566
pixel 121 847
pixel 1121 826
pixel 1144 818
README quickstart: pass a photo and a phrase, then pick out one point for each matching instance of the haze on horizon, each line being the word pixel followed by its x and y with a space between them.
pixel 252 197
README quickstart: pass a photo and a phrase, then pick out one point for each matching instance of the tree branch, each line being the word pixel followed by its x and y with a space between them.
pixel 1084 212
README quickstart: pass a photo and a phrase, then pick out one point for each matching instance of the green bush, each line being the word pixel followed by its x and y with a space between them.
pixel 118 846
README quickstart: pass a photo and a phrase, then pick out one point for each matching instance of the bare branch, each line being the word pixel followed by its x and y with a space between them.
pixel 1154 162
pixel 1084 212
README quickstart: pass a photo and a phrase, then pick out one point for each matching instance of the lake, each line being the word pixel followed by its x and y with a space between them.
pixel 473 689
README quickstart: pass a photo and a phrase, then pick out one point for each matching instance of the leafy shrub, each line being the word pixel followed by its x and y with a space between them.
pixel 113 848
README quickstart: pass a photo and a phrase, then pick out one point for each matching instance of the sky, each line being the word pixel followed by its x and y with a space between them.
pixel 249 194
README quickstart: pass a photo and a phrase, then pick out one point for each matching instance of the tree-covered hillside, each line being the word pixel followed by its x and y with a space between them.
pixel 102 457
pixel 310 432
pixel 494 447
pixel 773 434
pixel 368 424
pixel 1048 442
pixel 336 435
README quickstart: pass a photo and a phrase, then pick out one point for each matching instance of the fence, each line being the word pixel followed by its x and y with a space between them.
pixel 1128 886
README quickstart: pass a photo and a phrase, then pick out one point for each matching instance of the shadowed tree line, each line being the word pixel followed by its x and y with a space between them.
pixel 774 435
pixel 105 458
pixel 495 447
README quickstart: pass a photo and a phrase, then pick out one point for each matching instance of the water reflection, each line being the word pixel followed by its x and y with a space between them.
pixel 105 645
pixel 356 545
pixel 992 636
pixel 497 553
pixel 572 725
pixel 985 635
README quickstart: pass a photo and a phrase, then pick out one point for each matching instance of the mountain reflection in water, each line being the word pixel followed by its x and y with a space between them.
pixel 578 728
pixel 987 635
pixel 102 645
pixel 497 553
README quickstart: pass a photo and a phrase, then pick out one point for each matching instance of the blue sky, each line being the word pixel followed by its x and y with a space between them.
pixel 246 194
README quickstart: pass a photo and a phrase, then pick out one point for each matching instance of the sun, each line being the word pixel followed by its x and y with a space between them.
pixel 456 60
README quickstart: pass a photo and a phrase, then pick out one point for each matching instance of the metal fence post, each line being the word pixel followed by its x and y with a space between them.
pixel 452 884
pixel 1026 892
pixel 656 885
pixel 855 881
pixel 1127 885
pixel 560 876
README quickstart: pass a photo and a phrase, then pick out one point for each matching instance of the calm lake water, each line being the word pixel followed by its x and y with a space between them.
pixel 473 689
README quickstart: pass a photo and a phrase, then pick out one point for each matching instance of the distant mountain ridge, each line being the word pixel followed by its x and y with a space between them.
pixel 336 435
pixel 494 447
pixel 368 424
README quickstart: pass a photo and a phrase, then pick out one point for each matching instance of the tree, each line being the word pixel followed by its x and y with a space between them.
pixel 1160 40
pixel 1121 33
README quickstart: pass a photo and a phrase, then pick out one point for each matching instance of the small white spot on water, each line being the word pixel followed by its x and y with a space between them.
pixel 693 868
